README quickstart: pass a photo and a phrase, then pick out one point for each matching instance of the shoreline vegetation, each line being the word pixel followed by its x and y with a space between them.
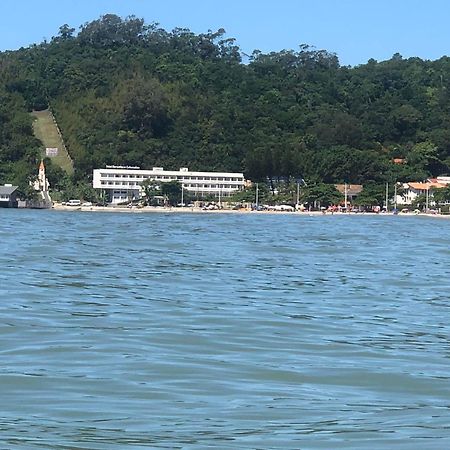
pixel 198 210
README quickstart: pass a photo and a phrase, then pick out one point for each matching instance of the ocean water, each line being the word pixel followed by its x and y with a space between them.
pixel 193 331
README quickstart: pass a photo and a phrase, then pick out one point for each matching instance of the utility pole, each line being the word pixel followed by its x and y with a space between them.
pixel 345 196
pixel 387 197
pixel 395 196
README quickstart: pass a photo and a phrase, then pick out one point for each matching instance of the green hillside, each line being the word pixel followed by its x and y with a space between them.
pixel 126 92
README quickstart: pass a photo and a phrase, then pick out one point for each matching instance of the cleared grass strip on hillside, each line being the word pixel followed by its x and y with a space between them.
pixel 47 131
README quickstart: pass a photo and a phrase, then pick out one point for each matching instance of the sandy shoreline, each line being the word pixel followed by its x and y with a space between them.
pixel 153 209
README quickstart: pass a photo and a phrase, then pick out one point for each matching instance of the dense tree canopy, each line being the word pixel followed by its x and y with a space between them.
pixel 127 92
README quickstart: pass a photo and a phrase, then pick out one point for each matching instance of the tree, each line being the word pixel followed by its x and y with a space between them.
pixel 171 190
pixel 419 202
pixel 441 195
pixel 424 157
pixel 66 32
pixel 320 194
pixel 55 175
pixel 406 119
pixel 152 188
pixel 248 195
pixel 145 109
pixel 110 29
pixel 373 194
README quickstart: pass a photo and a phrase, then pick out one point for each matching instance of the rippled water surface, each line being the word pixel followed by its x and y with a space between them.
pixel 130 331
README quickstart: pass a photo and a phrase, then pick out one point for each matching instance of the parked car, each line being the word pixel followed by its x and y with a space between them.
pixel 74 202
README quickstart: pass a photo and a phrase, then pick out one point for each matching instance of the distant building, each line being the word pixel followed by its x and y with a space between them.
pixel 443 179
pixel 410 191
pixel 124 183
pixel 8 196
pixel 41 185
pixel 352 190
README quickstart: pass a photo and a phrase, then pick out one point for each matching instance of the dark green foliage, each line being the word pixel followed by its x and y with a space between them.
pixel 372 195
pixel 19 150
pixel 442 196
pixel 145 108
pixel 320 194
pixel 57 178
pixel 248 195
pixel 171 191
pixel 129 93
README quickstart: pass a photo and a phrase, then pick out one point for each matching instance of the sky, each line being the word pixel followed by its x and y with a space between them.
pixel 356 30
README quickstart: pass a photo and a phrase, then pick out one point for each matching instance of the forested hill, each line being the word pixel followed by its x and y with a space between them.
pixel 125 92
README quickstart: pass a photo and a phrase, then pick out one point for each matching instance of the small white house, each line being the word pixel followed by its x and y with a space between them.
pixel 412 190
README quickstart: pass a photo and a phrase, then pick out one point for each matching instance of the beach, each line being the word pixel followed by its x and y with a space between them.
pixel 197 210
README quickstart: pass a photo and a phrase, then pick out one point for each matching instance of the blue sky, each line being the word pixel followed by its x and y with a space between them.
pixel 356 30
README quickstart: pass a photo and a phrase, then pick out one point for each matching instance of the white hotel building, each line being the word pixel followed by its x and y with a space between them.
pixel 124 183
